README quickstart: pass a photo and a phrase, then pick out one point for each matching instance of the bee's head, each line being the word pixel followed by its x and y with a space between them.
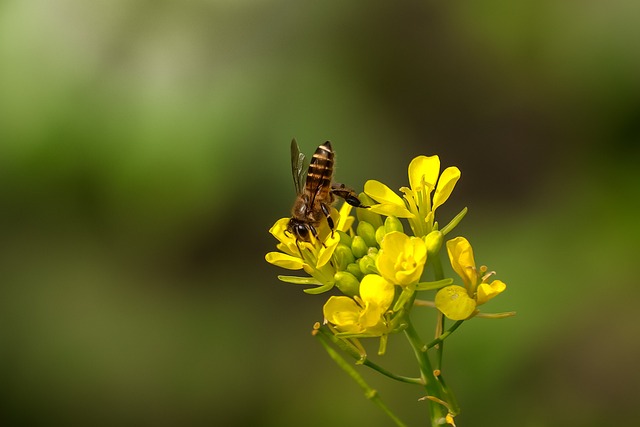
pixel 300 229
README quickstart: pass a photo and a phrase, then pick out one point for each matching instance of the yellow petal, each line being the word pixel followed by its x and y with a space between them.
pixel 424 169
pixel 372 319
pixel 394 242
pixel 278 230
pixel 454 302
pixel 416 249
pixel 487 291
pixel 345 221
pixel 290 249
pixel 287 240
pixel 285 261
pixel 345 224
pixel 390 203
pixel 375 289
pixel 447 182
pixel 381 193
pixel 388 209
pixel 386 265
pixel 343 312
pixel 462 261
pixel 391 249
pixel 330 245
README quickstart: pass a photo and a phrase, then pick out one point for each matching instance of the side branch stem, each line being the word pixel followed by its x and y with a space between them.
pixel 444 335
pixel 369 392
pixel 363 360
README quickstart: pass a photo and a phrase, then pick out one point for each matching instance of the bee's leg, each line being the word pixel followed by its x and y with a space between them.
pixel 327 213
pixel 347 194
pixel 313 231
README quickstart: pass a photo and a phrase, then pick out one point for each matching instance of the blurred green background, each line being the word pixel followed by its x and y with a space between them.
pixel 144 155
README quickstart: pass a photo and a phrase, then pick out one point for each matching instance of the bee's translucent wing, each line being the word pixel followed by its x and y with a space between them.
pixel 298 167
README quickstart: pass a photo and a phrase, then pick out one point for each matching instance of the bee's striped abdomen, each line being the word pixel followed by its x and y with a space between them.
pixel 320 171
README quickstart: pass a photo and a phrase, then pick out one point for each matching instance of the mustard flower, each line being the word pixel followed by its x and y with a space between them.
pixel 401 258
pixel 312 257
pixel 457 302
pixel 363 315
pixel 416 204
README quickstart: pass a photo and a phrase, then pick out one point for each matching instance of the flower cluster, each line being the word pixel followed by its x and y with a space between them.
pixel 377 267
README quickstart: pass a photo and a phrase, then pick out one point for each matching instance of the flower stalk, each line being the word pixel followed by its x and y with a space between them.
pixel 435 393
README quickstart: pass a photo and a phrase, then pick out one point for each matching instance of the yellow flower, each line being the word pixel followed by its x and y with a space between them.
pixel 462 262
pixel 363 315
pixel 401 258
pixel 423 174
pixel 457 302
pixel 416 204
pixel 312 257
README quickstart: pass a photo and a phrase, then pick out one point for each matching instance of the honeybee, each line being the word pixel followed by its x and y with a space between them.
pixel 316 193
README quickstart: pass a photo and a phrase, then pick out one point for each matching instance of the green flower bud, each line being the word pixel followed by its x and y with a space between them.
pixel 345 239
pixel 367 232
pixel 354 269
pixel 380 232
pixel 434 242
pixel 343 256
pixel 367 265
pixel 347 283
pixel 359 247
pixel 365 214
pixel 392 223
pixel 372 253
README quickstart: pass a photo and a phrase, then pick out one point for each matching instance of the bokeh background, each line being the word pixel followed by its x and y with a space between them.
pixel 144 155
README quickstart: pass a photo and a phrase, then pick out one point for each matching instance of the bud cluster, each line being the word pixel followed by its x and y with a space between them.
pixel 355 256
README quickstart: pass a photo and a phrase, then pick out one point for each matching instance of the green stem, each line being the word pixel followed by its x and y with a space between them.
pixel 440 345
pixel 363 360
pixel 437 411
pixel 444 335
pixel 438 275
pixel 380 369
pixel 370 393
